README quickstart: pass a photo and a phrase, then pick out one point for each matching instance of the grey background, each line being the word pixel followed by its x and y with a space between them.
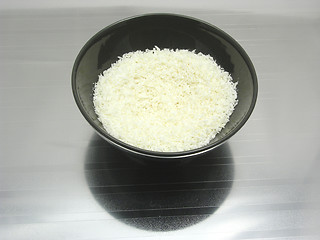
pixel 44 140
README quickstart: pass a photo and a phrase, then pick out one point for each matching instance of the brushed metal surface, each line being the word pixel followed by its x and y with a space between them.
pixel 59 180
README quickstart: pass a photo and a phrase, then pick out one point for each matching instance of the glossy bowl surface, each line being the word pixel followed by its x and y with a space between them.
pixel 164 31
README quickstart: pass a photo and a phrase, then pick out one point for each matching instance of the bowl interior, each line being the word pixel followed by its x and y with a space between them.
pixel 164 31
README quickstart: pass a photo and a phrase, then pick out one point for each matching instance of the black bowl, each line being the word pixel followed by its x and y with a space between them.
pixel 164 31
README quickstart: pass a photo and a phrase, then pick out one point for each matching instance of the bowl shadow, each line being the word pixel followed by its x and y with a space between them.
pixel 158 197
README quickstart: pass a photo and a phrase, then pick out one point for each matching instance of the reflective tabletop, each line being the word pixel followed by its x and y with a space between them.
pixel 60 180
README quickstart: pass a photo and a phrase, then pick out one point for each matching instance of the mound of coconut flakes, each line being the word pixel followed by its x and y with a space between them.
pixel 164 100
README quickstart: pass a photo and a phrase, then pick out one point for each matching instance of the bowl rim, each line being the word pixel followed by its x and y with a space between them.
pixel 156 154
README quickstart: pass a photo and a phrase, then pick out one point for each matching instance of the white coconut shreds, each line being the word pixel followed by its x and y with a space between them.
pixel 164 100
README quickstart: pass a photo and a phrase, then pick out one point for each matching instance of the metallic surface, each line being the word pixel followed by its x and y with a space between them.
pixel 59 180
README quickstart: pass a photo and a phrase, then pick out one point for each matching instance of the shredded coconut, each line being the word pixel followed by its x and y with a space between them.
pixel 164 100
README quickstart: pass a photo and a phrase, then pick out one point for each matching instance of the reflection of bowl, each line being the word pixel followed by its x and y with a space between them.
pixel 165 31
pixel 159 197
